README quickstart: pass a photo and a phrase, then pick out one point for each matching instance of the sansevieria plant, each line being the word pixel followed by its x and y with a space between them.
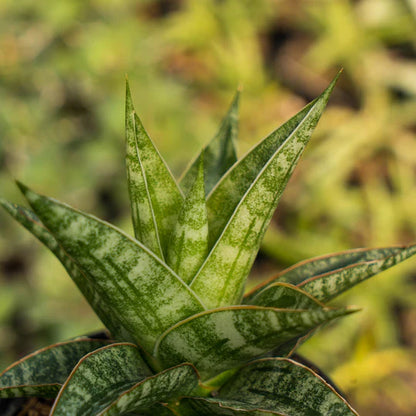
pixel 184 339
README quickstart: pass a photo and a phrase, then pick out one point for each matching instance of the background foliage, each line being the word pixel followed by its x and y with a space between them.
pixel 62 67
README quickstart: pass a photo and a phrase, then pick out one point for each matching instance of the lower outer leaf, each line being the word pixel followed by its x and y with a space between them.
pixel 98 379
pixel 42 373
pixel 217 340
pixel 162 387
pixel 285 386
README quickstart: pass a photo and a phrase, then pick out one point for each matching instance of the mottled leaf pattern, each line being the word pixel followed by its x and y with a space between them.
pixel 328 276
pixel 154 195
pixel 232 187
pixel 285 386
pixel 217 340
pixel 98 379
pixel 147 295
pixel 42 373
pixel 219 155
pixel 205 406
pixel 82 279
pixel 162 387
pixel 284 295
pixel 188 246
pixel 192 254
pixel 221 279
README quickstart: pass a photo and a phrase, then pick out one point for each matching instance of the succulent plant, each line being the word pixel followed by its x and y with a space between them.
pixel 184 339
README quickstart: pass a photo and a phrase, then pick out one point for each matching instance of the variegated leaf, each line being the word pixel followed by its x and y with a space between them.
pixel 285 295
pixel 285 386
pixel 154 194
pixel 147 295
pixel 207 406
pixel 103 309
pixel 98 379
pixel 188 246
pixel 42 373
pixel 219 155
pixel 217 340
pixel 232 187
pixel 162 387
pixel 328 276
pixel 220 280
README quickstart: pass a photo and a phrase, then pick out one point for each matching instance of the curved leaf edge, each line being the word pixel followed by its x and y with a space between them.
pixel 34 353
pixel 289 286
pixel 85 357
pixel 347 310
pixel 275 278
pixel 293 362
pixel 152 377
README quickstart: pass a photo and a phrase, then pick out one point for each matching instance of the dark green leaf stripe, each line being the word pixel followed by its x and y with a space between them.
pixel 285 386
pixel 230 190
pixel 219 155
pixel 203 406
pixel 98 379
pixel 103 309
pixel 42 373
pixel 154 194
pixel 221 279
pixel 217 340
pixel 188 246
pixel 347 269
pixel 147 294
pixel 285 295
pixel 164 386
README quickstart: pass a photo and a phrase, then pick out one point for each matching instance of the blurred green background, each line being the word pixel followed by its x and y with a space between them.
pixel 62 69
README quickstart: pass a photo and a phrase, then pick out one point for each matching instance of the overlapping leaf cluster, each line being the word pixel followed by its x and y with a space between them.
pixel 184 339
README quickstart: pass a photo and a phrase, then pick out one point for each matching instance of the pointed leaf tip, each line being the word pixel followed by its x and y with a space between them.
pixel 219 154
pixel 23 188
pixel 247 196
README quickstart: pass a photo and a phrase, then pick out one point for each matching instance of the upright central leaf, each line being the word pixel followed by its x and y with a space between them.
pixel 220 281
pixel 219 155
pixel 154 194
pixel 188 246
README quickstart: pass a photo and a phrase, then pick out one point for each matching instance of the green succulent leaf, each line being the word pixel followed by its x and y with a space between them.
pixel 188 246
pixel 99 378
pixel 328 276
pixel 147 295
pixel 233 186
pixel 220 280
pixel 219 155
pixel 206 406
pixel 285 295
pixel 217 340
pixel 83 280
pixel 42 373
pixel 154 194
pixel 162 387
pixel 283 385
